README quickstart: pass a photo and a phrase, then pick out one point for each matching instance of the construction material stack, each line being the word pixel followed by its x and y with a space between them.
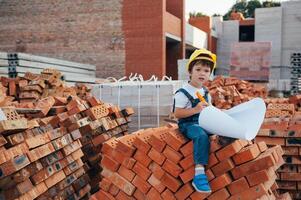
pixel 282 126
pixel 158 164
pixel 51 136
pixel 295 73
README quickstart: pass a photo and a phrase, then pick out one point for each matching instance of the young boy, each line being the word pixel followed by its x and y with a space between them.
pixel 187 108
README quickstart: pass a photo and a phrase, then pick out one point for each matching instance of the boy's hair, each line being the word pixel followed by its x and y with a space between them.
pixel 202 62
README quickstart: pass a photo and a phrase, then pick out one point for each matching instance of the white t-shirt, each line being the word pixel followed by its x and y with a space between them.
pixel 181 101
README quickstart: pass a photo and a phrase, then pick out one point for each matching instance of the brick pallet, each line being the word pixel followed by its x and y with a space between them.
pixel 282 126
pixel 158 164
pixel 50 141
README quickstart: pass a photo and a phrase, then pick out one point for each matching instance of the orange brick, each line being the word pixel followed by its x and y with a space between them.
pixel 199 196
pixel 212 160
pixel 170 182
pixel 114 190
pixel 187 162
pixel 126 173
pixel 103 195
pixel 122 183
pixel 246 154
pixel 156 156
pixel 141 184
pixel 139 195
pixel 105 184
pixel 271 141
pixel 156 170
pixel 122 196
pixel 220 182
pixel 109 163
pixel 125 145
pixel 129 163
pixel 219 195
pixel 175 139
pixel 184 191
pixel 187 149
pixel 172 168
pixel 260 177
pixel 153 194
pixel 238 186
pixel 141 142
pixel 141 171
pixel 156 183
pixel 229 150
pixel 157 141
pixel 168 195
pixel 142 158
pixel 252 193
pixel 188 174
pixel 222 167
pixel 172 155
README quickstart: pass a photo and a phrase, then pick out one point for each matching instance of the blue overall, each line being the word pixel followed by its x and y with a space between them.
pixel 190 128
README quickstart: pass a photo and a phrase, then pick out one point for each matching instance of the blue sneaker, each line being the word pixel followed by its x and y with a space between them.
pixel 200 183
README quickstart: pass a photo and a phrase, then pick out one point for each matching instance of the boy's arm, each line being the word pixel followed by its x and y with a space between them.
pixel 187 112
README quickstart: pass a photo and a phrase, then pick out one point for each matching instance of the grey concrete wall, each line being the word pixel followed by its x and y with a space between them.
pixel 229 34
pixel 268 28
pixel 291 37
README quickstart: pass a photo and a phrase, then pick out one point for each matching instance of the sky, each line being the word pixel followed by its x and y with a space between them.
pixel 210 7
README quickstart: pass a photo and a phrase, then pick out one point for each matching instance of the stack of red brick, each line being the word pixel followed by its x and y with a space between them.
pixel 158 164
pixel 51 145
pixel 228 92
pixel 282 126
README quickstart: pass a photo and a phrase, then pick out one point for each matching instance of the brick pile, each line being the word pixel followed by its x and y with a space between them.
pixel 229 92
pixel 158 164
pixel 51 138
pixel 282 126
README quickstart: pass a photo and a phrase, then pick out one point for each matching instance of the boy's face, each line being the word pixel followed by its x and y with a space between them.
pixel 200 74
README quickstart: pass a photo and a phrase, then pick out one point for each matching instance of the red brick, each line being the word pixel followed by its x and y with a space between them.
pixel 141 142
pixel 175 139
pixel 122 183
pixel 246 154
pixel 222 167
pixel 252 193
pixel 156 156
pixel 210 175
pixel 153 194
pixel 139 195
pixel 168 195
pixel 122 196
pixel 188 174
pixel 157 141
pixel 212 160
pixel 214 145
pixel 199 196
pixel 290 176
pixel 156 170
pixel 128 163
pixel 220 182
pixel 103 195
pixel 172 168
pixel 109 163
pixel 142 158
pixel 105 184
pixel 229 150
pixel 141 184
pixel 292 151
pixel 271 141
pixel 264 161
pixel 141 171
pixel 172 155
pixel 238 186
pixel 184 191
pixel 219 195
pixel 125 145
pixel 187 162
pixel 126 173
pixel 170 182
pixel 114 190
pixel 187 149
pixel 258 177
pixel 156 183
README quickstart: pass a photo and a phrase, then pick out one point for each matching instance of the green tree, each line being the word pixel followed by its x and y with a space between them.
pixel 247 8
pixel 196 14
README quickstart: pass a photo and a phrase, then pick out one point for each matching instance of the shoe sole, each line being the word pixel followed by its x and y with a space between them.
pixel 200 191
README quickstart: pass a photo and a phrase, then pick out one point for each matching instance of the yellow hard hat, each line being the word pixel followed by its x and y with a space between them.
pixel 202 54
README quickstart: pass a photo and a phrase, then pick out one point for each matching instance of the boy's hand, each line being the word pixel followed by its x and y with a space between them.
pixel 200 106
